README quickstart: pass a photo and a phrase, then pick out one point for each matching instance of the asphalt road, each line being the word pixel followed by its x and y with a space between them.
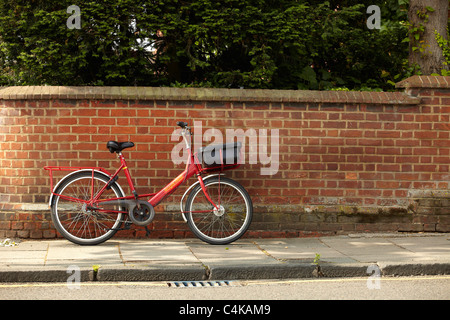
pixel 371 288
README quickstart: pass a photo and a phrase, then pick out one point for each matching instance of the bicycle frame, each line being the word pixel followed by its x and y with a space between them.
pixel 193 167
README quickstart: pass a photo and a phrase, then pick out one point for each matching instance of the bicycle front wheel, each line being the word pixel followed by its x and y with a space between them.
pixel 224 224
pixel 75 220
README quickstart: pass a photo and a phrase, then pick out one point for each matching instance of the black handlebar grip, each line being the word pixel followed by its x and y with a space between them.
pixel 182 124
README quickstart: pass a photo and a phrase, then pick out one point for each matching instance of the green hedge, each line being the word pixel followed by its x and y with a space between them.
pixel 279 44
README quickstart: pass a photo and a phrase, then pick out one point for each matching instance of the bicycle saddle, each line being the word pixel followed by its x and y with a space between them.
pixel 115 146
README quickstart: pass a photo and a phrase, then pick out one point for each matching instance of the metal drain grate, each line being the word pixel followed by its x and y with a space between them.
pixel 199 284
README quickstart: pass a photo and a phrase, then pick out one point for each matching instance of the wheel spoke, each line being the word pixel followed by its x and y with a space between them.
pixel 227 222
pixel 76 220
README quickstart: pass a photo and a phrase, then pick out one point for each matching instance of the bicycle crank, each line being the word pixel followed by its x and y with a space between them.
pixel 141 215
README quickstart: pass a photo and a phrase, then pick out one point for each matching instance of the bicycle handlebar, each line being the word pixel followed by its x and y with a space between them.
pixel 182 124
pixel 186 130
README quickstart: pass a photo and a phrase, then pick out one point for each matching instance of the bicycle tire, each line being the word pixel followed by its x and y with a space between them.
pixel 104 228
pixel 225 225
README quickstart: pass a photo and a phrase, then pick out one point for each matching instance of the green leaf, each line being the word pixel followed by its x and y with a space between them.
pixel 308 74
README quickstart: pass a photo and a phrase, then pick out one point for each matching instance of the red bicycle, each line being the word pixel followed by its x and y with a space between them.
pixel 88 206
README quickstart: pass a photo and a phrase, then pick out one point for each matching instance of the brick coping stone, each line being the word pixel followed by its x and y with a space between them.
pixel 204 94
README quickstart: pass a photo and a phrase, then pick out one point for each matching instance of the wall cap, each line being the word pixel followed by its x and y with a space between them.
pixel 425 82
pixel 203 94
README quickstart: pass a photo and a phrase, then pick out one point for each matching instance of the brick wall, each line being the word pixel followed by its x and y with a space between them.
pixel 348 161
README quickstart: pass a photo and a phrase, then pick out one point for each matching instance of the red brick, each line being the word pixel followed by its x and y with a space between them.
pixel 16 225
pixel 352 146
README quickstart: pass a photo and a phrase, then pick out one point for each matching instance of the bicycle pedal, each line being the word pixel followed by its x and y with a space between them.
pixel 127 226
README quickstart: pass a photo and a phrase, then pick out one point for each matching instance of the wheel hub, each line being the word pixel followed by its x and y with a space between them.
pixel 85 209
pixel 219 212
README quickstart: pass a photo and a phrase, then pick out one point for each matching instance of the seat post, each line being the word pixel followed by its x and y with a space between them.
pixel 127 173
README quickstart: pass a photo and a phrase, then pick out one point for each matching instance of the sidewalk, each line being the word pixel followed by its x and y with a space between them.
pixel 190 259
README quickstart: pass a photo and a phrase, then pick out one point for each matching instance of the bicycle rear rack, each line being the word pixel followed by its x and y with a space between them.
pixel 50 169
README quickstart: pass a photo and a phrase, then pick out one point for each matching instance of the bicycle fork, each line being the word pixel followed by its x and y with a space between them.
pixel 205 192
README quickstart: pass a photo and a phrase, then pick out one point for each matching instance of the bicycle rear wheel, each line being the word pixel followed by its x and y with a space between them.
pixel 75 220
pixel 225 224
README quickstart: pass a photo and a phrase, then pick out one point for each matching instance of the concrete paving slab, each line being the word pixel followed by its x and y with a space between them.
pixel 12 254
pixel 237 253
pixel 25 254
pixel 367 250
pixel 304 250
pixel 156 252
pixel 66 253
pixel 28 246
pixel 426 248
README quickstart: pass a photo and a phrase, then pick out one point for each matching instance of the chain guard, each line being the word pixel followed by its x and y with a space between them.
pixel 142 215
